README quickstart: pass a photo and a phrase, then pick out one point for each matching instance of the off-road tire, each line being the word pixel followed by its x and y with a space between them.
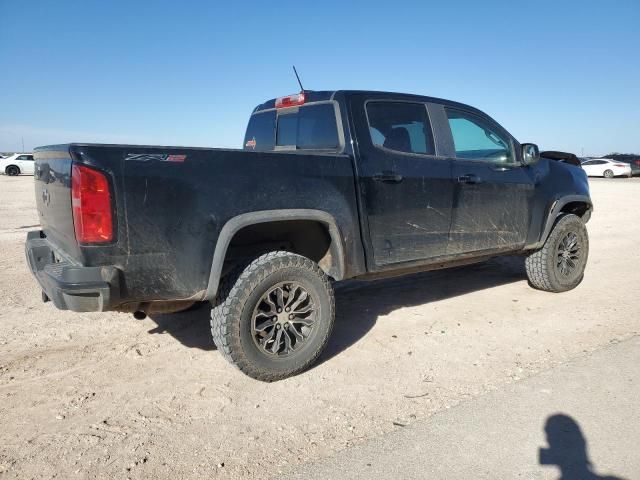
pixel 608 174
pixel 12 171
pixel 239 293
pixel 542 265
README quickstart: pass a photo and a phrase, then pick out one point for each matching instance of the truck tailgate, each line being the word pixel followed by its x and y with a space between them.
pixel 53 196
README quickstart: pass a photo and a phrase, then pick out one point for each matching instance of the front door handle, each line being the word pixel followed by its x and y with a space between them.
pixel 388 177
pixel 469 178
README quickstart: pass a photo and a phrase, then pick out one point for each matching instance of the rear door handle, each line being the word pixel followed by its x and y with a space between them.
pixel 469 178
pixel 388 177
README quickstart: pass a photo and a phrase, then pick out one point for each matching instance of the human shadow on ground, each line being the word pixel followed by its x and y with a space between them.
pixel 568 450
pixel 360 303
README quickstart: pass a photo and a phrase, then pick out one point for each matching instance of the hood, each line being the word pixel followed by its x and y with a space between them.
pixel 564 157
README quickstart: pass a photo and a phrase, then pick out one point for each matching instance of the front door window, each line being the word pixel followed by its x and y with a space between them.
pixel 477 139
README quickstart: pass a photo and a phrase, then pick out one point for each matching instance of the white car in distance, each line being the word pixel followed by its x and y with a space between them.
pixel 18 163
pixel 605 167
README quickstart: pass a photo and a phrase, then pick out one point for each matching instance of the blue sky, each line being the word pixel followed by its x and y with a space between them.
pixel 563 74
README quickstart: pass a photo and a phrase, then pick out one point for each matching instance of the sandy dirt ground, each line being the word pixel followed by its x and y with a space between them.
pixel 101 395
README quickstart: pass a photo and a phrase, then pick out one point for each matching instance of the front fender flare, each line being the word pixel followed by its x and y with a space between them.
pixel 554 213
pixel 239 222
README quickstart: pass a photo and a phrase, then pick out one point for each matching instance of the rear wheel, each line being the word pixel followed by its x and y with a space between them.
pixel 273 318
pixel 608 174
pixel 12 170
pixel 559 265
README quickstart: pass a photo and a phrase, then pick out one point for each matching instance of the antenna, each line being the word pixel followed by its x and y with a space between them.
pixel 298 77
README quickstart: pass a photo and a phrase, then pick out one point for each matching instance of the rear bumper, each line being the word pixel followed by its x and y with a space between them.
pixel 71 286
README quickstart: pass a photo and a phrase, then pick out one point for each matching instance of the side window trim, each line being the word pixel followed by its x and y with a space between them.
pixel 492 123
pixel 399 152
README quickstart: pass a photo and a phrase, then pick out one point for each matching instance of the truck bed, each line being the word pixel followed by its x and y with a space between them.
pixel 171 203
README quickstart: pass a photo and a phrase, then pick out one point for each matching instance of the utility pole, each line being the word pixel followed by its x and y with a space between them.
pixel 22 144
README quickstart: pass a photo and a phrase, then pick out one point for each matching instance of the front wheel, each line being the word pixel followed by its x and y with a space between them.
pixel 12 170
pixel 559 265
pixel 273 318
pixel 608 174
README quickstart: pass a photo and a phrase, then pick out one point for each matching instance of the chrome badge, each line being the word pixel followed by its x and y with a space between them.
pixel 46 197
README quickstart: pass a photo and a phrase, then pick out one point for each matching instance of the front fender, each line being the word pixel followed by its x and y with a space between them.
pixel 557 185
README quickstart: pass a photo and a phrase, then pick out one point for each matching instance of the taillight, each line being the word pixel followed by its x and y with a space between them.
pixel 619 164
pixel 91 204
pixel 291 100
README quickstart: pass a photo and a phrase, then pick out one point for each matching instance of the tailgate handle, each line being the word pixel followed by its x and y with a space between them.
pixel 388 177
pixel 469 179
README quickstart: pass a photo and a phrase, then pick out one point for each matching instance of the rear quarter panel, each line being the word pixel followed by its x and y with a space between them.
pixel 170 213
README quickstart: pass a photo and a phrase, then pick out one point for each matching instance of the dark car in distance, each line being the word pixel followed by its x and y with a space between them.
pixel 330 185
pixel 632 160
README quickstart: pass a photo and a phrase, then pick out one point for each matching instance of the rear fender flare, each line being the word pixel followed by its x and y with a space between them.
pixel 239 222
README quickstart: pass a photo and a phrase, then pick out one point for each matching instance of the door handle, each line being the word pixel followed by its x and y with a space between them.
pixel 469 179
pixel 388 177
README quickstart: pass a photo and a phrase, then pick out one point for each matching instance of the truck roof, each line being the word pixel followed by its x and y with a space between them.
pixel 324 95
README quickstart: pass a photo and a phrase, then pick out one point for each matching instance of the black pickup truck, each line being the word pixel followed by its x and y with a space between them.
pixel 330 185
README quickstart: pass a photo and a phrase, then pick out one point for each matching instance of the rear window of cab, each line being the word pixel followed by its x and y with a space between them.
pixel 308 127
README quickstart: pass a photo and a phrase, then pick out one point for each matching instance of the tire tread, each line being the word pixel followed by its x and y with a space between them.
pixel 537 262
pixel 234 291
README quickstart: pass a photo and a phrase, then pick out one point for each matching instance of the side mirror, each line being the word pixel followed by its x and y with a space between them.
pixel 530 153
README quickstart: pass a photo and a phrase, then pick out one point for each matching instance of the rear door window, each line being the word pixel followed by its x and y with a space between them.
pixel 400 126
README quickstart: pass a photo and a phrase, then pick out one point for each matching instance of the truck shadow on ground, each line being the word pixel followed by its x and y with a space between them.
pixel 568 450
pixel 359 304
pixel 191 327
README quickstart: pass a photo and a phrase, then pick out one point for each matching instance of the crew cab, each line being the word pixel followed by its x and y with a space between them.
pixel 330 185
